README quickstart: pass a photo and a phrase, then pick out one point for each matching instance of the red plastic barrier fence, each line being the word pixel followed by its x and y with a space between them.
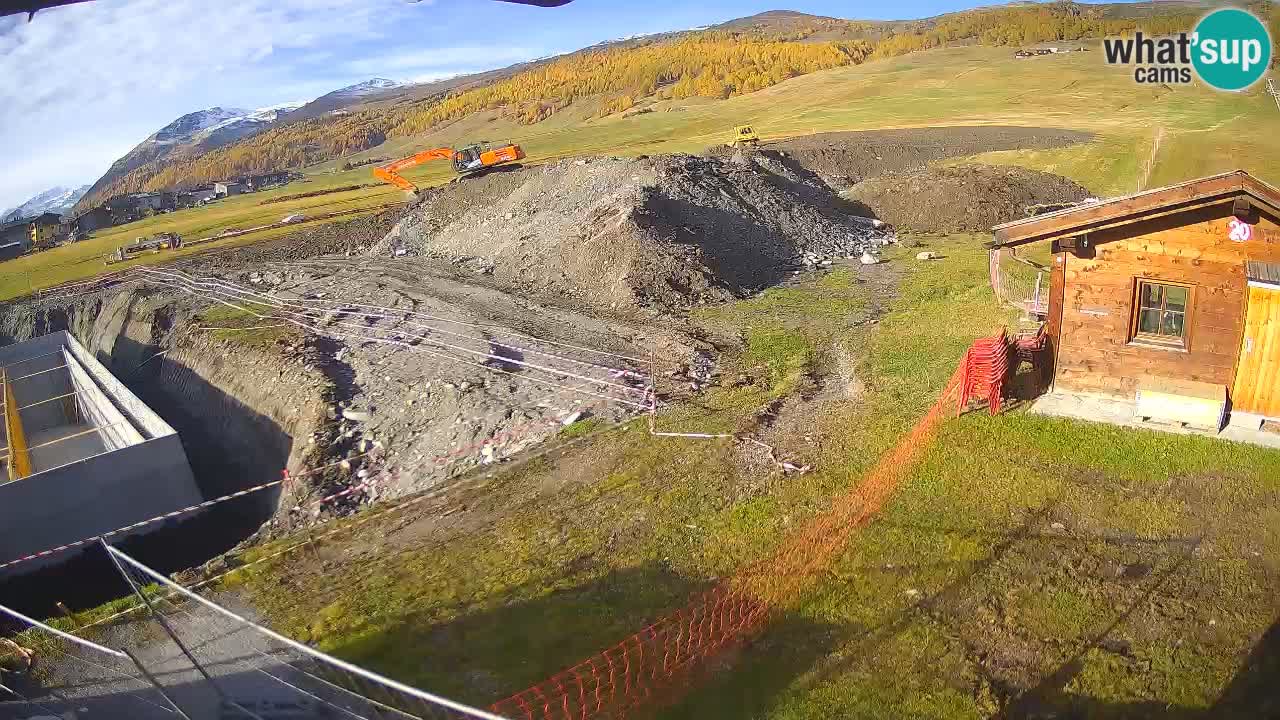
pixel 633 672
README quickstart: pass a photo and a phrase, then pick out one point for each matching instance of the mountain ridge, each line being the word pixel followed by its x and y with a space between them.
pixel 617 75
pixel 56 199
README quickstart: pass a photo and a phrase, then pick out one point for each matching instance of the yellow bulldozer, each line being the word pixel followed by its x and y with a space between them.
pixel 745 135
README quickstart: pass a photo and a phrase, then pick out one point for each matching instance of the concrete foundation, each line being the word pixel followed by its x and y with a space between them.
pixel 1116 411
pixel 99 458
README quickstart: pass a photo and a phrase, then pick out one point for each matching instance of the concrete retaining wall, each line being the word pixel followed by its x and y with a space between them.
pixel 113 429
pixel 34 377
pixel 137 471
pixel 94 496
pixel 144 418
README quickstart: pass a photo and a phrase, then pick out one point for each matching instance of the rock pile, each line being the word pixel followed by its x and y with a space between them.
pixel 631 235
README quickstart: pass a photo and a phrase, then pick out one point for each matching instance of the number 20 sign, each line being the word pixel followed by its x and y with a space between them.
pixel 1240 231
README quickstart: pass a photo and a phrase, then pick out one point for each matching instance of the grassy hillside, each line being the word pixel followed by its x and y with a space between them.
pixel 736 58
pixel 1029 567
pixel 1201 130
pixel 85 259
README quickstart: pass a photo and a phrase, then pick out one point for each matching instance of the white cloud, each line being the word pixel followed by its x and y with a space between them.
pixel 80 85
pixel 86 75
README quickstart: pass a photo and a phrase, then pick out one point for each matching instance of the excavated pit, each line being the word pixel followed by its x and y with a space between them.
pixel 577 258
pixel 243 414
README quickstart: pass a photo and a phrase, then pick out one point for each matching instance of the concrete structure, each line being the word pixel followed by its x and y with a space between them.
pixel 82 454
pixel 1124 412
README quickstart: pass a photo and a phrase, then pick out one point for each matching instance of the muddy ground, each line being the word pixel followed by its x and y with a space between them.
pixel 844 159
pixel 965 198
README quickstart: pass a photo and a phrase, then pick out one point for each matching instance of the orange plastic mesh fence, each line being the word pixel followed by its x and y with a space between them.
pixel 632 672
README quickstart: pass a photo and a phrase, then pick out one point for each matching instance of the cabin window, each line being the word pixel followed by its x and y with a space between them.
pixel 1160 314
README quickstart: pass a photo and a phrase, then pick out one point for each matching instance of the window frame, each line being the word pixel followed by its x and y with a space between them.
pixel 1164 342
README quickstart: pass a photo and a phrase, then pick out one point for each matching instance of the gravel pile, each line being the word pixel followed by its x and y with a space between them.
pixel 966 198
pixel 624 235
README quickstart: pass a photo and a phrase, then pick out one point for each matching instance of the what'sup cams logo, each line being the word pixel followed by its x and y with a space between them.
pixel 1230 49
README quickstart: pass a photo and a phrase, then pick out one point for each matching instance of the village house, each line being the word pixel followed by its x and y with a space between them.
pixel 1166 302
pixel 148 201
pixel 10 249
pixel 47 229
pixel 229 188
pixel 33 233
pixel 90 220
pixel 269 180
pixel 196 196
pixel 15 239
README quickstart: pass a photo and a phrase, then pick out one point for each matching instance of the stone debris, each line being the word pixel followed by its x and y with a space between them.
pixel 623 236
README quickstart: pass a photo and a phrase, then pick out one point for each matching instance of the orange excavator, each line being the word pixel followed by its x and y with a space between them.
pixel 469 160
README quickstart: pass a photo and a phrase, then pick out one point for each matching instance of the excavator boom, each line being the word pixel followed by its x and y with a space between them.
pixel 391 172
pixel 473 158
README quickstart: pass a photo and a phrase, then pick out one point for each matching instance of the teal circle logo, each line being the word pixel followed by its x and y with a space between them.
pixel 1231 49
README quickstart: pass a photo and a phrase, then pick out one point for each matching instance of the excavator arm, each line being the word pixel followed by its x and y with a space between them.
pixel 391 172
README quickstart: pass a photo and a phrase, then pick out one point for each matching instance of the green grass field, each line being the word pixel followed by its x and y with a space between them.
pixel 1202 131
pixel 1028 565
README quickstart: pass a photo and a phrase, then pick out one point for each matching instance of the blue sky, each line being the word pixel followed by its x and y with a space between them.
pixel 81 85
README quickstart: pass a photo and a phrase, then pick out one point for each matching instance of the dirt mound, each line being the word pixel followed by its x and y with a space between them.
pixel 844 158
pixel 966 198
pixel 626 234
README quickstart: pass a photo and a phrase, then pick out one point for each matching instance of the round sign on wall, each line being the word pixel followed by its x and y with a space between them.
pixel 1240 231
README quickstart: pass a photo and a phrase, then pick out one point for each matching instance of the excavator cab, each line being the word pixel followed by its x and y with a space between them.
pixel 469 159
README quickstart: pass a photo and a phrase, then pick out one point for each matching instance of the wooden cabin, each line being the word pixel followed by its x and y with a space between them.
pixel 1174 290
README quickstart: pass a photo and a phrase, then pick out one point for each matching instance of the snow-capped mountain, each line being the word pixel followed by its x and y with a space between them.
pixel 349 95
pixel 191 135
pixel 199 132
pixel 55 200
pixel 359 90
pixel 192 124
pixel 247 123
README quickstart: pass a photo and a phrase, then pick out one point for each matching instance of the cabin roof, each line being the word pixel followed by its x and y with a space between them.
pixel 1129 208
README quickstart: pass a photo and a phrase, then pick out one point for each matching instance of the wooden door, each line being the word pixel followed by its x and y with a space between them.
pixel 1257 387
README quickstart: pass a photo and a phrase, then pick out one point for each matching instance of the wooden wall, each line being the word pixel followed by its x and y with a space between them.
pixel 1094 354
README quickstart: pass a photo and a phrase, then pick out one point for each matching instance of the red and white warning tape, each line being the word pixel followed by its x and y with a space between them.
pixel 135 526
pixel 311 539
pixel 285 477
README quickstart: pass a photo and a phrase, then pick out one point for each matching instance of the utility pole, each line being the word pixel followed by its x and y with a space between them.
pixel 1275 93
